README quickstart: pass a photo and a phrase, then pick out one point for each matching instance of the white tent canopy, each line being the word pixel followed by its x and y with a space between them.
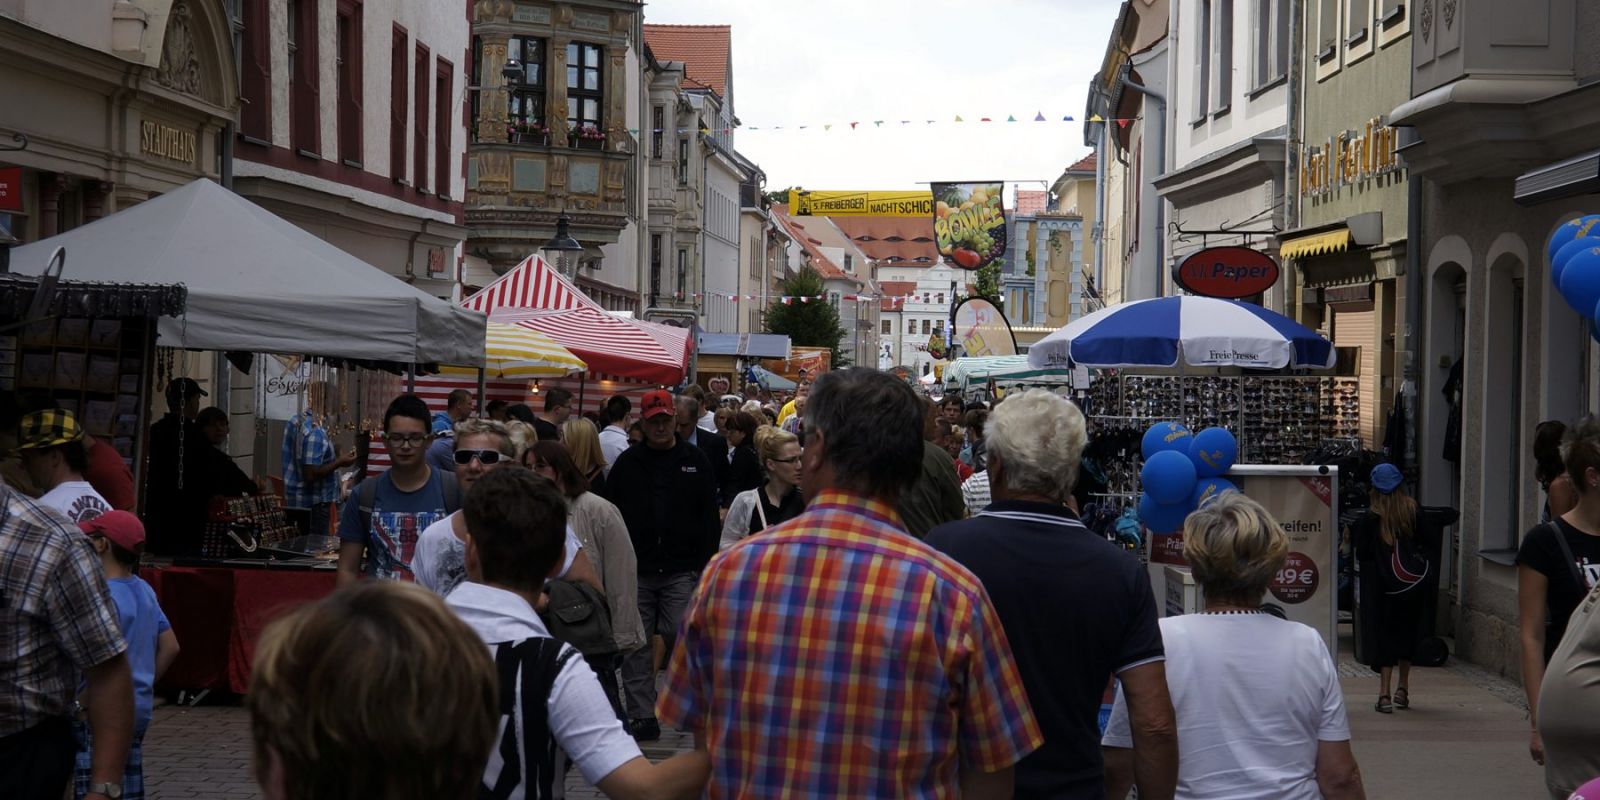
pixel 259 284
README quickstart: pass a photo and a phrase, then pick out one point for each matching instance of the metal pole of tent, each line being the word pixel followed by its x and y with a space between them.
pixel 411 380
pixel 482 390
pixel 583 380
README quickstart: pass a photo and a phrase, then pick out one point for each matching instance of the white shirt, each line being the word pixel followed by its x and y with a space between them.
pixel 1254 695
pixel 613 440
pixel 581 719
pixel 77 500
pixel 439 561
pixel 975 491
pixel 709 422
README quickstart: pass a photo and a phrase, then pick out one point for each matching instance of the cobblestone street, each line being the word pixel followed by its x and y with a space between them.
pixel 1468 726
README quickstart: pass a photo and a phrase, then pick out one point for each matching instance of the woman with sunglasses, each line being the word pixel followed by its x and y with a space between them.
pixel 440 560
pixel 777 501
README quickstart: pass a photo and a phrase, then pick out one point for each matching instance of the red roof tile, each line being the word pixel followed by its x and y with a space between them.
pixel 895 293
pixel 811 245
pixel 705 50
pixel 892 241
pixel 1031 201
pixel 1085 164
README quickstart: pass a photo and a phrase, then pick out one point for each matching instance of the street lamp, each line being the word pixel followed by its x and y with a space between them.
pixel 512 71
pixel 557 249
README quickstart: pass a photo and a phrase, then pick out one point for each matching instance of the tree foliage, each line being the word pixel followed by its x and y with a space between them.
pixel 807 324
pixel 986 283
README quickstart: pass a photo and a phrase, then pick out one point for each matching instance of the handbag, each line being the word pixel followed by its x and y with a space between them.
pixel 578 615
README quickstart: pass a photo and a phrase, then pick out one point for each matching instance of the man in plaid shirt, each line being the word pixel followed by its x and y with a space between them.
pixel 310 463
pixel 58 625
pixel 837 656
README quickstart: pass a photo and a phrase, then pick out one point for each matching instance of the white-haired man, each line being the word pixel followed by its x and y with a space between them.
pixel 1075 608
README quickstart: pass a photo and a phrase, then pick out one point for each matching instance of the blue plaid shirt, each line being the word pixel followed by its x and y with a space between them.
pixel 305 442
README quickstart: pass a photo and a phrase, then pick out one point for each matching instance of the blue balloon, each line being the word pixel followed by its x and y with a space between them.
pixel 1160 518
pixel 1165 436
pixel 1213 452
pixel 1580 281
pixel 1572 229
pixel 1209 489
pixel 1558 262
pixel 1168 477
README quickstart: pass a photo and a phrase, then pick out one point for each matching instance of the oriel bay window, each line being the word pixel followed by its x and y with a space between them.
pixel 584 96
pixel 525 112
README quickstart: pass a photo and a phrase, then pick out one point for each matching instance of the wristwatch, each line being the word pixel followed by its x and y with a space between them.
pixel 111 790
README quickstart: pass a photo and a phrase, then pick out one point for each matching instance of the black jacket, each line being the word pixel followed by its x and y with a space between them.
pixel 176 517
pixel 668 499
pixel 715 448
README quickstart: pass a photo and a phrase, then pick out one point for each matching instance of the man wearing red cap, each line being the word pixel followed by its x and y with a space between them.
pixel 667 493
pixel 118 538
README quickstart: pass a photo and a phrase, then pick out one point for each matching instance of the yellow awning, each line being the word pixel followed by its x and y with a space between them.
pixel 514 352
pixel 1316 244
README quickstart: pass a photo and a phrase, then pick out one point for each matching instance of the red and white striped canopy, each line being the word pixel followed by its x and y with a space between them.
pixel 536 296
pixel 533 284
pixel 609 344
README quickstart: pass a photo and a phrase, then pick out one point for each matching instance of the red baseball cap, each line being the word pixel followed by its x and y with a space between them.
pixel 119 526
pixel 656 403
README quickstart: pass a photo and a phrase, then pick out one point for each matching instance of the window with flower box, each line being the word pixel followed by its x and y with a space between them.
pixel 585 96
pixel 525 117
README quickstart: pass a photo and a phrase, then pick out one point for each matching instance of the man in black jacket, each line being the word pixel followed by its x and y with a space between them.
pixel 668 495
pixel 713 445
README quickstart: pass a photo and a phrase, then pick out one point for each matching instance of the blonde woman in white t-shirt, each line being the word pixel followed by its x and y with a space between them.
pixel 1258 704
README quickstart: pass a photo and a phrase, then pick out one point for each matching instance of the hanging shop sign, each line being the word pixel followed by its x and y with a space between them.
pixel 1227 272
pixel 969 223
pixel 981 329
pixel 1349 158
pixel 11 189
pixel 860 204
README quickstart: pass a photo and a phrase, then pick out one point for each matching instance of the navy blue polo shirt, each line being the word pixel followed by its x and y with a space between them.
pixel 1076 609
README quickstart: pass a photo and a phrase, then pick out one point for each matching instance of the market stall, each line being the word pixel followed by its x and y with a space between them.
pixel 254 284
pixel 973 376
pixel 1166 371
pixel 731 355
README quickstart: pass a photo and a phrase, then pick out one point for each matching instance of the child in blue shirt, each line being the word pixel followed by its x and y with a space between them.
pixel 118 537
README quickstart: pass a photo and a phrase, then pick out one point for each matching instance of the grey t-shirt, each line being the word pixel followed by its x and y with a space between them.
pixel 1568 704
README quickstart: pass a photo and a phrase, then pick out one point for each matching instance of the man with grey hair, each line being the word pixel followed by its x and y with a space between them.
pixel 1076 608
pixel 835 655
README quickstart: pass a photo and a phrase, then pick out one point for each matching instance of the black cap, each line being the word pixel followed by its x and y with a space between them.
pixel 184 388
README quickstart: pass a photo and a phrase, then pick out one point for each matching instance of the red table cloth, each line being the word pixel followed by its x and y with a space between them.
pixel 218 613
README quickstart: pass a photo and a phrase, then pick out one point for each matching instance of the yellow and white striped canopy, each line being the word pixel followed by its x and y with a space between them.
pixel 515 352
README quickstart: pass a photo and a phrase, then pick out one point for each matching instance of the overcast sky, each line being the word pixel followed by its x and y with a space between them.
pixel 814 62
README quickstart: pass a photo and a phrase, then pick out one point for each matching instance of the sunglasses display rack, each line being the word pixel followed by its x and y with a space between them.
pixel 1277 420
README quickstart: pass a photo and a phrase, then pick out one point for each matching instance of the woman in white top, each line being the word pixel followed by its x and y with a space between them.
pixel 776 501
pixel 1259 709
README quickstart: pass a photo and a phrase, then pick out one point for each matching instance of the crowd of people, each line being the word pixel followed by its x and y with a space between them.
pixel 854 593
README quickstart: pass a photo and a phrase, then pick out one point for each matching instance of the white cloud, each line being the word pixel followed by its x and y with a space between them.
pixel 816 62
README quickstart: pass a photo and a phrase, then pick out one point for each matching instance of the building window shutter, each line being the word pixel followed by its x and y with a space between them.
pixel 255 84
pixel 419 142
pixel 443 88
pixel 351 55
pixel 399 104
pixel 305 91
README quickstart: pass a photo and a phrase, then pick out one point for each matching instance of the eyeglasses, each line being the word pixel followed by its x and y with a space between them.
pixel 486 457
pixel 406 440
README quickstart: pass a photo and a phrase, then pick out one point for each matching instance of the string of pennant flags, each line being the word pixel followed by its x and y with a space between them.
pixel 855 125
pixel 788 299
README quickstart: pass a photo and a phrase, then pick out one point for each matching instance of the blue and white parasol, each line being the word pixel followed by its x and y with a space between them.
pixel 1206 331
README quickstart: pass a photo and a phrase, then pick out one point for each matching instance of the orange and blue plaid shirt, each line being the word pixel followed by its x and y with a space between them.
pixel 836 656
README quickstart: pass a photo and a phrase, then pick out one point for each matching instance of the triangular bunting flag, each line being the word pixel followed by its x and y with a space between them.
pixel 1067 118
pixel 877 123
pixel 1011 118
pixel 1097 118
pixel 958 118
pixel 1039 117
pixel 985 119
pixel 1123 123
pixel 805 299
pixel 828 127
pixel 788 301
pixel 853 125
pixel 905 122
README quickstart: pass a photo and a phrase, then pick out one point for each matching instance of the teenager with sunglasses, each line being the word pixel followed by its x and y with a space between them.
pixel 440 560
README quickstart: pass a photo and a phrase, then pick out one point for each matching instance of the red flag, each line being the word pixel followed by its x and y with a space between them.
pixel 788 301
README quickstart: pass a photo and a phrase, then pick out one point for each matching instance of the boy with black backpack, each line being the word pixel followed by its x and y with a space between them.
pixel 383 520
pixel 551 704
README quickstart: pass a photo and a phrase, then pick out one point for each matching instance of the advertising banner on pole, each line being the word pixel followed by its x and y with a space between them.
pixel 969 223
pixel 803 203
pixel 981 329
pixel 1306 587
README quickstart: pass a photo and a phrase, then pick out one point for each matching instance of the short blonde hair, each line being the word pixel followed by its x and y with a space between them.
pixel 1234 547
pixel 377 690
pixel 583 444
pixel 487 427
pixel 522 437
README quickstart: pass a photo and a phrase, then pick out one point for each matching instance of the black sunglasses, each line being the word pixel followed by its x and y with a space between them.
pixel 487 457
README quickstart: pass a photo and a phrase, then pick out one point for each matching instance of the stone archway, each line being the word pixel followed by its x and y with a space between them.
pixel 195 56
